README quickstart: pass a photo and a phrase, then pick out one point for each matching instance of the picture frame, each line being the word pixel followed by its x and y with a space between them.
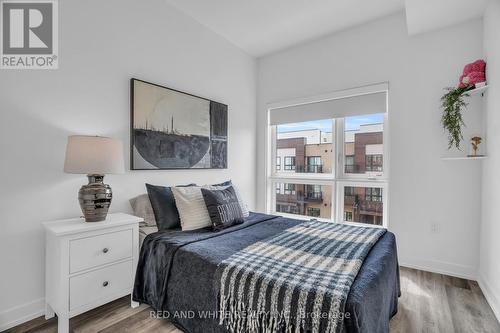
pixel 172 129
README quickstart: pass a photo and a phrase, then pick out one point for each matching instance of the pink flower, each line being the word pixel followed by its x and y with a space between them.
pixel 479 66
pixel 476 66
pixel 473 73
pixel 468 69
pixel 461 81
pixel 476 77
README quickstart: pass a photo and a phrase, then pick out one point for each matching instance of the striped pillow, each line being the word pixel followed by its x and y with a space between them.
pixel 191 207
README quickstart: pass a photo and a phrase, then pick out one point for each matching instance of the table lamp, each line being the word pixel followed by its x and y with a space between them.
pixel 94 156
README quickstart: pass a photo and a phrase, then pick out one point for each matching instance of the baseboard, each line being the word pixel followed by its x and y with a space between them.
pixel 493 300
pixel 21 314
pixel 441 267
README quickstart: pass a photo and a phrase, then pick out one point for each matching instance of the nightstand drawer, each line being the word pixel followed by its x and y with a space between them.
pixel 98 250
pixel 99 284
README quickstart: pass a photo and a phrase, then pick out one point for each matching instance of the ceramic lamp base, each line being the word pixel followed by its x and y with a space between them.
pixel 95 199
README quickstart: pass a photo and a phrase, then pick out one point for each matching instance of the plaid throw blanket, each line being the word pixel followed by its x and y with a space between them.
pixel 296 281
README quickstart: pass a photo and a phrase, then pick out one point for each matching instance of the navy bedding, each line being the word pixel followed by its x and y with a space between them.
pixel 175 275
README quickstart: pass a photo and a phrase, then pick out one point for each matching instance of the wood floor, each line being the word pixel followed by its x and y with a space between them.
pixel 429 303
pixel 439 303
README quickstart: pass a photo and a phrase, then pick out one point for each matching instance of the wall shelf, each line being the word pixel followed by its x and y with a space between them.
pixel 461 158
pixel 479 131
pixel 476 91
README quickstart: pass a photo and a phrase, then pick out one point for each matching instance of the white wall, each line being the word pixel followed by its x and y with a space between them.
pixel 102 45
pixel 424 190
pixel 489 265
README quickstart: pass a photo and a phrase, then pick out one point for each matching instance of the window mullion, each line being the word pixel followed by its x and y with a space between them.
pixel 339 147
pixel 339 168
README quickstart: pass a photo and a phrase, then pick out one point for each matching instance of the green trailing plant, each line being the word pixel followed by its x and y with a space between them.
pixel 453 104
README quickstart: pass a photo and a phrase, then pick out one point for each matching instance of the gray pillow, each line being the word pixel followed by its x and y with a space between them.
pixel 142 208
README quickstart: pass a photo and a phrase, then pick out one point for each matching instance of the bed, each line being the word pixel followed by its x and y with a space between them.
pixel 176 271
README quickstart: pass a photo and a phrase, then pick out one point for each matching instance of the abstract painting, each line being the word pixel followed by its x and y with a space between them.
pixel 171 129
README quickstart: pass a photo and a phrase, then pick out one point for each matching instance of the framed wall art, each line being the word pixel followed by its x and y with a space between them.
pixel 171 129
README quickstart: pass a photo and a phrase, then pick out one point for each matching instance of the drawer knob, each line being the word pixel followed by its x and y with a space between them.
pixel 105 283
pixel 105 250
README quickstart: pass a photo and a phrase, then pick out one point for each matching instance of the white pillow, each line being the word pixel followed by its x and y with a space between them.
pixel 191 206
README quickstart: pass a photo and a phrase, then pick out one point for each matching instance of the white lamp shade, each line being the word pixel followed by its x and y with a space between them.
pixel 94 155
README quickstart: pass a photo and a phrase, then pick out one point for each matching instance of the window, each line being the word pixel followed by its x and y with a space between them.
pixel 329 156
pixel 314 164
pixel 373 194
pixel 289 163
pixel 314 212
pixel 349 192
pixel 347 216
pixel 289 189
pixel 305 147
pixel 313 192
pixel 349 164
pixel 363 204
pixel 306 199
pixel 289 209
pixel 363 145
pixel 373 162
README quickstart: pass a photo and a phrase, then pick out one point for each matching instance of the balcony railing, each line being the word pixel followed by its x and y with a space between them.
pixel 299 197
pixel 309 168
pixel 310 196
pixel 314 196
pixel 286 198
pixel 371 207
pixel 351 168
pixel 364 207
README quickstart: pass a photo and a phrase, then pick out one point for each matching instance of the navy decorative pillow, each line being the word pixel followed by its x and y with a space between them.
pixel 164 207
pixel 243 206
pixel 223 207
pixel 226 183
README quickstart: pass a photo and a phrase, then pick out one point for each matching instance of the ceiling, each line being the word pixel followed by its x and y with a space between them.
pixel 426 15
pixel 261 27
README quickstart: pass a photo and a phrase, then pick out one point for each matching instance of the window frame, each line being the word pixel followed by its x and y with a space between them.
pixel 314 209
pixel 337 179
pixel 284 173
pixel 351 164
pixel 370 175
pixel 371 164
pixel 342 184
pixel 289 191
pixel 291 166
pixel 314 158
pixel 316 165
pixel 372 195
pixel 345 214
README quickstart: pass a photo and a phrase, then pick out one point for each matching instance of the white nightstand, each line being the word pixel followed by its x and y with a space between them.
pixel 88 264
